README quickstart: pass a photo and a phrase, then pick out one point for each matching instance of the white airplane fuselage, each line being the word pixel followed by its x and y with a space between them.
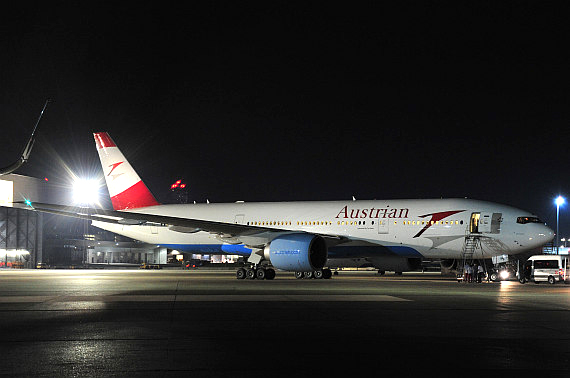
pixel 427 228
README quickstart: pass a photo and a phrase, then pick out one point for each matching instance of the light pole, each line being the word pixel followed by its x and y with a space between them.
pixel 559 202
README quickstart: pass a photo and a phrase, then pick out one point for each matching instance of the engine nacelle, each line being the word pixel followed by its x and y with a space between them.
pixel 297 252
pixel 448 266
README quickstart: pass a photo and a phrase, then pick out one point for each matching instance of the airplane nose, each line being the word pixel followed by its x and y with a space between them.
pixel 538 236
pixel 545 234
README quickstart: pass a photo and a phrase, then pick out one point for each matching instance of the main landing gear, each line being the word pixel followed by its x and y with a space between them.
pixel 262 273
pixel 259 273
pixel 325 273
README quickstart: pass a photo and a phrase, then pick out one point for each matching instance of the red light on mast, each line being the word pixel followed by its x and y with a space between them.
pixel 177 184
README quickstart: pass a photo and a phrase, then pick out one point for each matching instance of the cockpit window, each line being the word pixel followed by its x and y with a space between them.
pixel 525 220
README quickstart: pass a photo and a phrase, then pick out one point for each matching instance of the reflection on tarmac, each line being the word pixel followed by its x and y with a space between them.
pixel 117 323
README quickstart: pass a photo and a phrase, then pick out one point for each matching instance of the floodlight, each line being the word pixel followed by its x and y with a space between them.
pixel 85 191
pixel 559 201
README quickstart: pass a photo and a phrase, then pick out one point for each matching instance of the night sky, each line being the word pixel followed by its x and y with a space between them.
pixel 298 102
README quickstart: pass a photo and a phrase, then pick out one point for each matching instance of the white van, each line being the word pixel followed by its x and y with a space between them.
pixel 547 268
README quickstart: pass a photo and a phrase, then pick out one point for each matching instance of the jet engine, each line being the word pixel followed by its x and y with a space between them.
pixel 448 264
pixel 297 252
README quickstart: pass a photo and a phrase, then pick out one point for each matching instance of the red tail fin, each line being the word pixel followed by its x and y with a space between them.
pixel 125 187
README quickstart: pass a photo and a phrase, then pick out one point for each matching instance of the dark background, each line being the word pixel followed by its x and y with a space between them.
pixel 288 101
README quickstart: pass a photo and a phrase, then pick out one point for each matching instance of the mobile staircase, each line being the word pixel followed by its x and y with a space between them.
pixel 471 244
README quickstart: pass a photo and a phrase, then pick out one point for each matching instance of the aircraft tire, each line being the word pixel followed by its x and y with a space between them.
pixel 240 273
pixel 250 274
pixel 298 275
pixel 327 274
pixel 318 274
pixel 260 274
pixel 269 274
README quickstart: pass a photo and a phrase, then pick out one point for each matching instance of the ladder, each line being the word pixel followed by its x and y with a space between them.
pixel 470 245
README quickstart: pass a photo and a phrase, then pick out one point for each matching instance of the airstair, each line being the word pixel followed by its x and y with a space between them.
pixel 471 244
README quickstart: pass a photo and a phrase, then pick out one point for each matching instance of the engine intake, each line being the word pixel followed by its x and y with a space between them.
pixel 297 252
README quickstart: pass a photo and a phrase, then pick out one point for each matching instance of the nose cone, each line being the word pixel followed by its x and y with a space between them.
pixel 540 235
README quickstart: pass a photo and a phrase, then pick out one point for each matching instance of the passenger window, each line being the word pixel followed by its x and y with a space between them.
pixel 546 264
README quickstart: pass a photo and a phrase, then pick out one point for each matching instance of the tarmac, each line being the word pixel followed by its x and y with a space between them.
pixel 70 323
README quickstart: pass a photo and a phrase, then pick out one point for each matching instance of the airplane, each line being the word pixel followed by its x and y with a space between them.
pixel 25 155
pixel 303 237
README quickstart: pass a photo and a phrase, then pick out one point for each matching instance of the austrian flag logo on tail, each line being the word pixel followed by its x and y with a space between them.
pixel 113 166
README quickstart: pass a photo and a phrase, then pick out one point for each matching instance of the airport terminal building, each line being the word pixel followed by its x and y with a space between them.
pixel 30 239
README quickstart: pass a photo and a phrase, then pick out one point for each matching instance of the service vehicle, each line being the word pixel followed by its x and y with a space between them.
pixel 546 268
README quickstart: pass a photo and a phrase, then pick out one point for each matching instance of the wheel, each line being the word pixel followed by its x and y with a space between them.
pixel 308 275
pixel 298 275
pixel 522 280
pixel 494 277
pixel 260 274
pixel 551 280
pixel 327 274
pixel 318 274
pixel 240 273
pixel 250 273
pixel 269 274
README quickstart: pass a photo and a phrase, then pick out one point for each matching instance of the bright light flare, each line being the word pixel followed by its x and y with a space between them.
pixel 86 191
pixel 559 201
pixel 504 274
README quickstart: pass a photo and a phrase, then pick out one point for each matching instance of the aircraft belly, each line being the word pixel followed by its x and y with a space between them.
pixel 352 250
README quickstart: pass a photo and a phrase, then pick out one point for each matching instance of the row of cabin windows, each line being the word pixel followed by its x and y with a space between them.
pixel 289 223
pixel 350 223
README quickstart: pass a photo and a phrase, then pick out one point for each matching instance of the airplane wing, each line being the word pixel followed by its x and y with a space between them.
pixel 27 149
pixel 189 225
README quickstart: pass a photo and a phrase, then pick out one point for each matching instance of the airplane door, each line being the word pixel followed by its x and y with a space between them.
pixel 496 220
pixel 383 226
pixel 490 223
pixel 239 219
pixel 474 223
pixel 485 222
